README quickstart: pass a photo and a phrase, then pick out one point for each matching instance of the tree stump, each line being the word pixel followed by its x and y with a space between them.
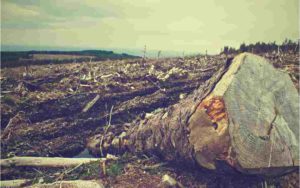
pixel 244 117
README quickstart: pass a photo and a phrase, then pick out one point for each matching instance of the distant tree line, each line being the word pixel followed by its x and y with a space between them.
pixel 15 59
pixel 288 46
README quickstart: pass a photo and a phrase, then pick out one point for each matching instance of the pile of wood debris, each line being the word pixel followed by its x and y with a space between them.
pixel 54 110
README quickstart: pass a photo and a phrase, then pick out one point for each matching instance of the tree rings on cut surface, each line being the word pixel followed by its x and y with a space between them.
pixel 250 119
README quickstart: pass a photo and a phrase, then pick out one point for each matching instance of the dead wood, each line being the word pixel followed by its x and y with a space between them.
pixel 58 127
pixel 14 183
pixel 227 121
pixel 137 106
pixel 74 104
pixel 52 162
pixel 59 184
pixel 70 184
pixel 66 136
pixel 90 104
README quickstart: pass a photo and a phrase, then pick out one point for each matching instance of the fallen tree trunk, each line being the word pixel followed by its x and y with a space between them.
pixel 245 117
pixel 45 161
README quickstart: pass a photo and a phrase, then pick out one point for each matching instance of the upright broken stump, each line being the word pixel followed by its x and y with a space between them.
pixel 245 116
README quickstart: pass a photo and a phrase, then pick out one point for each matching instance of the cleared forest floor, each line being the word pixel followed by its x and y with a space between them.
pixel 55 110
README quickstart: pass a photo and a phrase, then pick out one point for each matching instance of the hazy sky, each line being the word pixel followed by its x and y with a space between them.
pixel 183 25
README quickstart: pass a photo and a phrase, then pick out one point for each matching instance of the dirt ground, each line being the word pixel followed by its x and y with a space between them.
pixel 48 110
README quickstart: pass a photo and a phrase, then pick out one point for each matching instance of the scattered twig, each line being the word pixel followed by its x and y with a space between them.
pixel 67 172
pixel 6 92
pixel 271 150
pixel 61 176
pixel 38 171
pixel 106 76
pixel 91 103
pixel 208 69
pixel 151 167
pixel 155 84
pixel 106 129
pixel 104 168
pixel 85 85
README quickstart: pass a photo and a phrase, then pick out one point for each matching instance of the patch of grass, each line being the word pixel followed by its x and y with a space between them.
pixel 115 169
pixel 94 170
pixel 86 171
pixel 91 170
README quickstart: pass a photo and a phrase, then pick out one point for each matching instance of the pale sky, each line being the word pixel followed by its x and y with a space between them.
pixel 180 25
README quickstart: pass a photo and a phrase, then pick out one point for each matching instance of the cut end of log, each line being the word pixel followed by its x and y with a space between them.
pixel 209 131
pixel 250 120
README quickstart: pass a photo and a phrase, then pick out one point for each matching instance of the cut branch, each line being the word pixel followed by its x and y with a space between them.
pixel 91 103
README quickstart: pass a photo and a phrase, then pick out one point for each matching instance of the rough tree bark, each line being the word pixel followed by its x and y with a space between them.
pixel 245 117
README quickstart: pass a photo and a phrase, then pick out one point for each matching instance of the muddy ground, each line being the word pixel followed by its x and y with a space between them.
pixel 47 110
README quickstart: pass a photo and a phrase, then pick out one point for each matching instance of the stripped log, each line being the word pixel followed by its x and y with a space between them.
pixel 244 118
pixel 59 184
pixel 71 184
pixel 14 183
pixel 45 161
